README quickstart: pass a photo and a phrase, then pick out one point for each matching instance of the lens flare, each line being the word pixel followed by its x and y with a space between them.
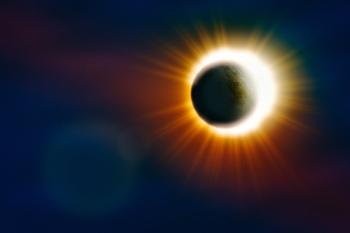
pixel 247 150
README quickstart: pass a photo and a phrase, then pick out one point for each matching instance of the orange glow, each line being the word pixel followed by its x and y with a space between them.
pixel 200 149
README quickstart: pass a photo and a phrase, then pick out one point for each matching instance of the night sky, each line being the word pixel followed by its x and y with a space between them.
pixel 75 150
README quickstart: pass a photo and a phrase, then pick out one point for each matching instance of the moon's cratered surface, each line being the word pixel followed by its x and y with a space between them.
pixel 222 94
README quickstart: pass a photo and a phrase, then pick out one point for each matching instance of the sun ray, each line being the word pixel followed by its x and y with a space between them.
pixel 200 149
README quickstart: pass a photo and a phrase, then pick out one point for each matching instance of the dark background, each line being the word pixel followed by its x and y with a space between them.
pixel 59 60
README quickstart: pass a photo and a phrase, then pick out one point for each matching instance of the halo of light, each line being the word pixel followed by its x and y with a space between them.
pixel 262 80
pixel 239 158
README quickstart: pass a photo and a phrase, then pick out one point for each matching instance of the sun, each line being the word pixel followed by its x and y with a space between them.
pixel 262 81
pixel 242 152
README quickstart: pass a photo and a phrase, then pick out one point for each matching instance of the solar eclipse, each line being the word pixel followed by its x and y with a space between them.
pixel 233 90
pixel 223 102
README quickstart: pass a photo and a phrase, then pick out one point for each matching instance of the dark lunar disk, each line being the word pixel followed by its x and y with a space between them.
pixel 221 95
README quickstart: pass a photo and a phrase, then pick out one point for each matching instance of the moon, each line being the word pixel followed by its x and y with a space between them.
pixel 222 94
pixel 233 91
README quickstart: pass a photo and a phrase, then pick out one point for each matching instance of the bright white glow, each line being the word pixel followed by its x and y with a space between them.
pixel 261 77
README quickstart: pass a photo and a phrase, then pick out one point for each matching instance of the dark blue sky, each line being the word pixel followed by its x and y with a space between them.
pixel 44 105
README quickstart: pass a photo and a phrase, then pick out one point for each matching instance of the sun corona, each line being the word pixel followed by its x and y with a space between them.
pixel 225 104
